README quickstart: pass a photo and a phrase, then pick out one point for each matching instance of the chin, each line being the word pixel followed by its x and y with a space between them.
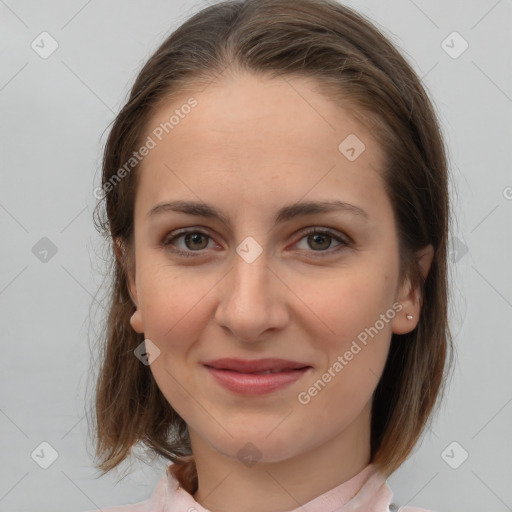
pixel 262 445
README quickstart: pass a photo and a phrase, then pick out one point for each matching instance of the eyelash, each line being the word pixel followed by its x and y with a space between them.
pixel 344 243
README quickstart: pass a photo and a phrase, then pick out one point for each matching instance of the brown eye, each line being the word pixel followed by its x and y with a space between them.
pixel 320 241
pixel 193 241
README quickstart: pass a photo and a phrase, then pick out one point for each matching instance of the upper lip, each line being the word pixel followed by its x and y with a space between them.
pixel 257 365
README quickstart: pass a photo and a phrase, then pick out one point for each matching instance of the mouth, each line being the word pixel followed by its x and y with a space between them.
pixel 263 372
pixel 255 377
pixel 258 366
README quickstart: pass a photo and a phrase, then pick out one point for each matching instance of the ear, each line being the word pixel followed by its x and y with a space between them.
pixel 410 297
pixel 136 318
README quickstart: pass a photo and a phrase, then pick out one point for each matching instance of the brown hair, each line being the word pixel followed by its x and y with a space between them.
pixel 353 63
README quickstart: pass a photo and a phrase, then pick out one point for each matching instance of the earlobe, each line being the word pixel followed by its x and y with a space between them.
pixel 136 322
pixel 409 296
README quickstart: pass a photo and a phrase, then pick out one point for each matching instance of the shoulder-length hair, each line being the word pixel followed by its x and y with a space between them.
pixel 356 65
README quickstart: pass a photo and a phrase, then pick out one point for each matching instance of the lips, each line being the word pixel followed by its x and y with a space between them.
pixel 258 377
pixel 259 366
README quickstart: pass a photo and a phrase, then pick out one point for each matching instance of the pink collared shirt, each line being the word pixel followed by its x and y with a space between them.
pixel 367 491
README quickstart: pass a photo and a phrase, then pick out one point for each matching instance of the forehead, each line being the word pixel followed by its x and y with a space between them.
pixel 262 133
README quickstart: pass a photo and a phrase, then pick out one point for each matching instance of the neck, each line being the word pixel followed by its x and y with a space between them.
pixel 227 485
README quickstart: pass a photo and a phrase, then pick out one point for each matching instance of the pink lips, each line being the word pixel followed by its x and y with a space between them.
pixel 246 377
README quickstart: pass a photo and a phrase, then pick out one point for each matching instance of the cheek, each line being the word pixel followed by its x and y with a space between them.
pixel 349 302
pixel 356 313
pixel 173 305
pixel 174 317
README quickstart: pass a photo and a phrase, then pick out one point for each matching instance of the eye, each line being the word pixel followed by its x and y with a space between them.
pixel 196 241
pixel 320 240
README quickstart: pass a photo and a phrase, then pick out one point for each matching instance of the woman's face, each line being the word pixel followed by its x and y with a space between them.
pixel 256 284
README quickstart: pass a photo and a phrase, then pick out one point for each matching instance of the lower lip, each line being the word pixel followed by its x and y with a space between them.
pixel 254 383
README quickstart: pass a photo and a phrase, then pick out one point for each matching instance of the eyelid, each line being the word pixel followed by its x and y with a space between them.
pixel 334 233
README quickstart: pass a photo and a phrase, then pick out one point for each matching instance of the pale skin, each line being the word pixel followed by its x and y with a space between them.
pixel 251 146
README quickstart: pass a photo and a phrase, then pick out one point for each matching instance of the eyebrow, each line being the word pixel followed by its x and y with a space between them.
pixel 283 214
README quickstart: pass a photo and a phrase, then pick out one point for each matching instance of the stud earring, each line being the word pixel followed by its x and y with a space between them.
pixel 409 317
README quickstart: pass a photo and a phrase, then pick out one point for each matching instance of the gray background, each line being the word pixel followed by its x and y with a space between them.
pixel 54 114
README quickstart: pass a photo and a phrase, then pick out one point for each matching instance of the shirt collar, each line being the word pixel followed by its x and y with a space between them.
pixel 365 491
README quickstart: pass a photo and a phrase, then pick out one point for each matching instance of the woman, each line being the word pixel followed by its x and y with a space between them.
pixel 275 191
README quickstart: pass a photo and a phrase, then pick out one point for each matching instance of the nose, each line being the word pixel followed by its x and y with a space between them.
pixel 252 300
